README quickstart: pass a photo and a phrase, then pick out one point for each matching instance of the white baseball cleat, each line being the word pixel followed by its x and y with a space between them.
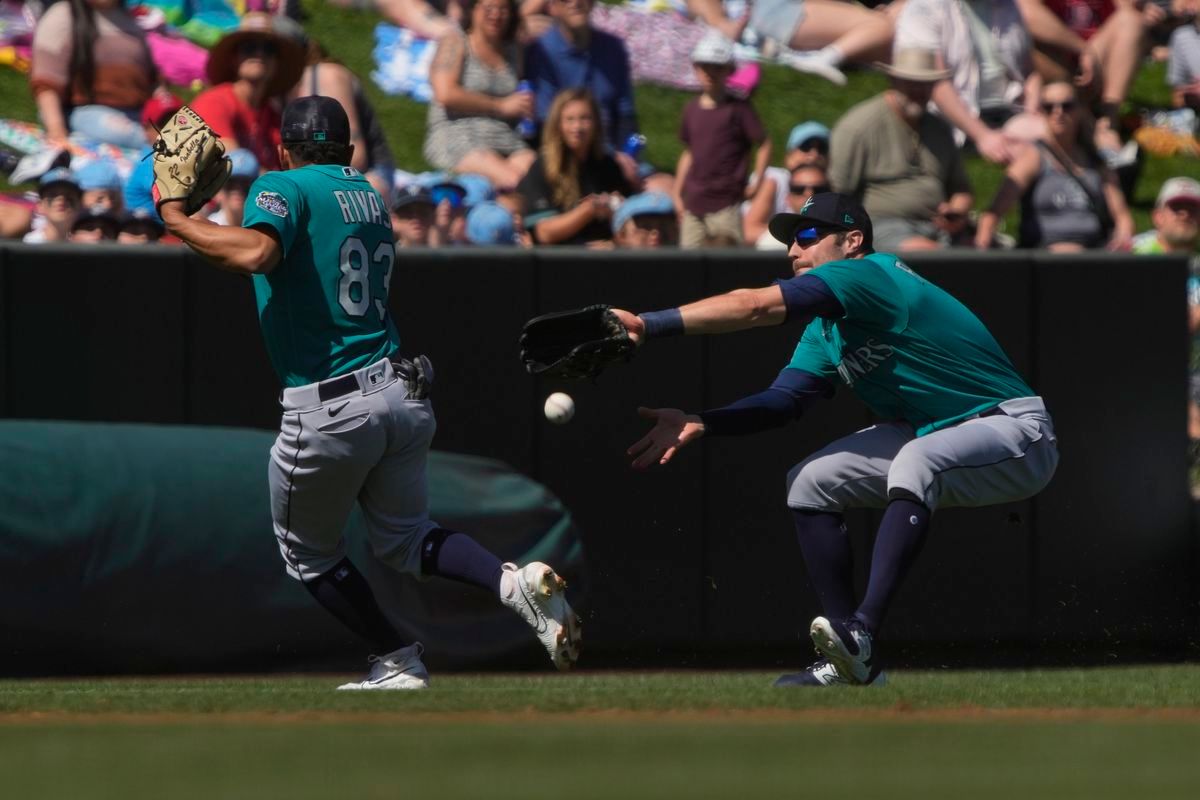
pixel 399 669
pixel 847 645
pixel 538 595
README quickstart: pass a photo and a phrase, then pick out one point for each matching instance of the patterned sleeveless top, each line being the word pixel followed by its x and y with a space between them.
pixel 450 136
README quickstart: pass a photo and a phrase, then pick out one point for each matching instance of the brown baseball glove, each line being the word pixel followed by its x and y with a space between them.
pixel 189 162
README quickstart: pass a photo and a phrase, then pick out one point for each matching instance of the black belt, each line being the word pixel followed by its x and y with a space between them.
pixel 336 387
pixel 991 412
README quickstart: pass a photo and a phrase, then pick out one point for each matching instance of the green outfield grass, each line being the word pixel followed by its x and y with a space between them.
pixel 1056 734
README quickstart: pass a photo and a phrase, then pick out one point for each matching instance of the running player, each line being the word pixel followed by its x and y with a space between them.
pixel 958 426
pixel 357 420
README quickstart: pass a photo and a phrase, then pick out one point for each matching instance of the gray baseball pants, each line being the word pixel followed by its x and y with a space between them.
pixel 368 445
pixel 996 458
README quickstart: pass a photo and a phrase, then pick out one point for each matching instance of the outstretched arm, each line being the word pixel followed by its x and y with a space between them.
pixel 797 299
pixel 792 393
pixel 735 311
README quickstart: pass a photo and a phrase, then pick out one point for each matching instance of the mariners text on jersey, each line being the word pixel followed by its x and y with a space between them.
pixel 361 206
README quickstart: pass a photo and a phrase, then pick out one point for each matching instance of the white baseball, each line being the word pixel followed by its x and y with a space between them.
pixel 559 408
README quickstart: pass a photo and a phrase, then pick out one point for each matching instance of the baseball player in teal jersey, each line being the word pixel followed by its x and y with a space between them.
pixel 357 420
pixel 958 426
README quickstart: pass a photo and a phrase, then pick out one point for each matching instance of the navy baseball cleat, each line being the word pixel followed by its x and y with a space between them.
pixel 824 673
pixel 847 645
pixel 399 669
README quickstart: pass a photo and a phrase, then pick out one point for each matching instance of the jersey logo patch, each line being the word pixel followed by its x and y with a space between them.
pixel 272 203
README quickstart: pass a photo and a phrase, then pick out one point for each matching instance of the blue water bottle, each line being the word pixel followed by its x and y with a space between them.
pixel 526 128
pixel 634 145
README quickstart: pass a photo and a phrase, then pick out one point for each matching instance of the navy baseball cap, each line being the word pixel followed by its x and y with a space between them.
pixel 315 119
pixel 824 212
pixel 412 193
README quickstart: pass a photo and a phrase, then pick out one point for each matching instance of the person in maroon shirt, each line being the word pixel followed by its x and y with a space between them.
pixel 250 69
pixel 718 132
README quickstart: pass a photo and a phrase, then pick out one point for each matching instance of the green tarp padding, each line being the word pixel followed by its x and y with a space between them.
pixel 140 548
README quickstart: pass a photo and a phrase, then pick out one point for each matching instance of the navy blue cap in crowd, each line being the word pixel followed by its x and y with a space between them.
pixel 315 119
pixel 824 212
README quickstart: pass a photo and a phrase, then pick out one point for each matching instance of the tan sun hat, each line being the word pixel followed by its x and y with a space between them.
pixel 289 59
pixel 913 64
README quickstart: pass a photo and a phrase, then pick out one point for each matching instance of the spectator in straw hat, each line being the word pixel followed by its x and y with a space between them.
pixel 900 161
pixel 250 69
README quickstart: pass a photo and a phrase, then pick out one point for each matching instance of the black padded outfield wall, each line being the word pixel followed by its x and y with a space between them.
pixel 697 563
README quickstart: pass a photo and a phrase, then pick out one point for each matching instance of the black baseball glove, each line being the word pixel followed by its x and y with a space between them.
pixel 574 344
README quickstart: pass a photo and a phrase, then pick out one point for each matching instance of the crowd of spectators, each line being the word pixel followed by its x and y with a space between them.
pixel 534 133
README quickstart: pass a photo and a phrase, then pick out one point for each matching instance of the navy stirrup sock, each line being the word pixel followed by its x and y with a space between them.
pixel 827 556
pixel 345 593
pixel 456 556
pixel 897 544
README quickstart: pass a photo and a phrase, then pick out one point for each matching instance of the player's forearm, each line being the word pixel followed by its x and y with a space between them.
pixel 242 250
pixel 738 310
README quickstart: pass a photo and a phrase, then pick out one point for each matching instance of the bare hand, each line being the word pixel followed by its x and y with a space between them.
pixel 949 219
pixel 517 105
pixel 1087 68
pixel 601 205
pixel 1120 242
pixel 629 170
pixel 995 147
pixel 633 325
pixel 672 430
pixel 1153 14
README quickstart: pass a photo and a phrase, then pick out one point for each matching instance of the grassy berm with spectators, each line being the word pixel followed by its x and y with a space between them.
pixel 784 98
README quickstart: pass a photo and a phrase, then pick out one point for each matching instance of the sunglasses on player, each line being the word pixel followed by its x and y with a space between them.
pixel 820 145
pixel 806 237
pixel 804 188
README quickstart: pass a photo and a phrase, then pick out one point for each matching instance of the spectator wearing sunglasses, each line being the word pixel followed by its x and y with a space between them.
pixel 1176 219
pixel 900 161
pixel 250 69
pixel 807 146
pixel 450 212
pixel 801 183
pixel 1070 200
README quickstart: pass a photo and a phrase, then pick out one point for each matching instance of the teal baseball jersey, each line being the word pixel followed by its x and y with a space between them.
pixel 905 346
pixel 323 309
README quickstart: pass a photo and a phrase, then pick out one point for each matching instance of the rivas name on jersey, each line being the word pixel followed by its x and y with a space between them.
pixel 362 206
